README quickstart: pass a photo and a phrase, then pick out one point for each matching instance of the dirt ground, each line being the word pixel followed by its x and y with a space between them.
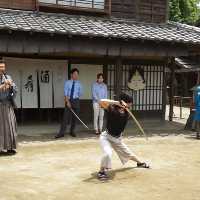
pixel 66 169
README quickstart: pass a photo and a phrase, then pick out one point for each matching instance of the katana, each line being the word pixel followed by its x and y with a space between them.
pixel 130 113
pixel 78 118
pixel 138 124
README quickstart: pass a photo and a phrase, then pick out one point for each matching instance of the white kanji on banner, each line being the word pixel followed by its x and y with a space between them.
pixel 32 74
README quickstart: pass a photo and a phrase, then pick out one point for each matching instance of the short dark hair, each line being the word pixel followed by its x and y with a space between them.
pixel 74 70
pixel 99 75
pixel 125 97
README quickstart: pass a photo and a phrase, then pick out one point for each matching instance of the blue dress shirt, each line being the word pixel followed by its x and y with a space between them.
pixel 99 91
pixel 78 89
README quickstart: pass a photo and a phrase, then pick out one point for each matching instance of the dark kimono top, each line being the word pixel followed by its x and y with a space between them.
pixel 116 120
pixel 4 94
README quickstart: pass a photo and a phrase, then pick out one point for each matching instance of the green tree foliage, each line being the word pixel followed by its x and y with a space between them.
pixel 185 11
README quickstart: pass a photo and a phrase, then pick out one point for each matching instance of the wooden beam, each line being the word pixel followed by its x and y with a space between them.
pixel 167 11
pixel 40 43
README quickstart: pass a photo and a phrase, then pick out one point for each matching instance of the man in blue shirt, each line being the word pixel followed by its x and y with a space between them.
pixel 73 90
pixel 197 110
pixel 99 91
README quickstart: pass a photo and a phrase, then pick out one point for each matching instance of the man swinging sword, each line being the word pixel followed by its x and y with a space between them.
pixel 117 117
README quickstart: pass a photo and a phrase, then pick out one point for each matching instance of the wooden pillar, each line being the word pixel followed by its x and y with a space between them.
pixel 185 84
pixel 164 94
pixel 69 67
pixel 167 11
pixel 172 82
pixel 37 7
pixel 22 116
pixel 137 9
pixel 21 108
pixel 105 73
pixel 118 78
pixel 198 78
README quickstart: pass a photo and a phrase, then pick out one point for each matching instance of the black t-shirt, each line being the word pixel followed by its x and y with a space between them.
pixel 116 120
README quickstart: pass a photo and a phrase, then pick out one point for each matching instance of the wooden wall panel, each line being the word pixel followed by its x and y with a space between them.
pixel 124 8
pixel 18 4
pixel 154 11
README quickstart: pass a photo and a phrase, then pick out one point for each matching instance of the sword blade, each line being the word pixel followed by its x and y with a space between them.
pixel 79 118
pixel 138 124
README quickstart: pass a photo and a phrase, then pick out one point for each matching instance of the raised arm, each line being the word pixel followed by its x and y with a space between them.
pixel 104 103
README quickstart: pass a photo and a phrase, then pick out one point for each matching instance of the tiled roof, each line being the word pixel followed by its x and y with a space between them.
pixel 186 65
pixel 97 26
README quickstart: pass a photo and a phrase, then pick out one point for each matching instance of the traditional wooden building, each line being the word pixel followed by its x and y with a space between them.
pixel 187 75
pixel 41 40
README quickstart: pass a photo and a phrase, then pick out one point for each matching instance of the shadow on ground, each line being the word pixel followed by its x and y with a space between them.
pixel 46 133
pixel 111 174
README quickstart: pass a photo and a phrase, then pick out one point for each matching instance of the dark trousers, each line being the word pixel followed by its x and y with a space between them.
pixel 69 117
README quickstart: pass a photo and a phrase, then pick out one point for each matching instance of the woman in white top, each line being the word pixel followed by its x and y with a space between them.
pixel 99 91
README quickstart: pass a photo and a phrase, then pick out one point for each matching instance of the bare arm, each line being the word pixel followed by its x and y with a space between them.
pixel 67 102
pixel 104 103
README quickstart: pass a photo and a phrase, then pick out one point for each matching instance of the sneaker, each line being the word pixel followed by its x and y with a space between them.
pixel 102 175
pixel 143 165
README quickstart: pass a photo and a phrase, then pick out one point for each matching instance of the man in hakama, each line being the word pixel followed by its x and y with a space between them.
pixel 8 125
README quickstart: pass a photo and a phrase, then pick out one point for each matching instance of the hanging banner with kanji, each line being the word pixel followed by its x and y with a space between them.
pixel 29 87
pixel 46 87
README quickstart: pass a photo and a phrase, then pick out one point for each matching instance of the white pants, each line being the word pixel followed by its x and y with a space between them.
pixel 98 117
pixel 108 142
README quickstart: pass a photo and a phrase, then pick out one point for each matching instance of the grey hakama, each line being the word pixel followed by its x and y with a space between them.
pixel 8 125
pixel 107 143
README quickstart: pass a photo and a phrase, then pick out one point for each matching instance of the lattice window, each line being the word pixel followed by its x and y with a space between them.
pixel 149 98
pixel 96 4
